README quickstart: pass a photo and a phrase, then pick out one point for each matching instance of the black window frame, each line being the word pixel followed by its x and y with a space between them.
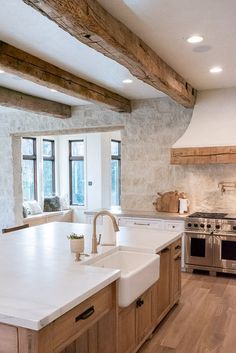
pixel 33 157
pixel 52 159
pixel 118 158
pixel 71 159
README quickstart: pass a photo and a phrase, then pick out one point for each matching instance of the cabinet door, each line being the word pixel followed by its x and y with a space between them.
pixel 143 316
pixel 126 329
pixel 8 339
pixel 161 291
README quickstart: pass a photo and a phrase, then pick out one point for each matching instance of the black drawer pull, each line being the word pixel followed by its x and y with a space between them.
pixel 178 247
pixel 178 258
pixel 86 314
pixel 165 250
pixel 139 302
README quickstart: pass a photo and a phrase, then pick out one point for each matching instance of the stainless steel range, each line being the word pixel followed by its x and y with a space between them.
pixel 210 242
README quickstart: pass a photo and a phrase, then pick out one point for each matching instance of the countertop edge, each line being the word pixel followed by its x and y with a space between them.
pixel 38 325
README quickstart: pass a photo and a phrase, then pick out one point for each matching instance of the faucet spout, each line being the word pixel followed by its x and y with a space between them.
pixel 94 235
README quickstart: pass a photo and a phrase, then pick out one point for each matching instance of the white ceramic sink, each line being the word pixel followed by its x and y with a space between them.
pixel 138 272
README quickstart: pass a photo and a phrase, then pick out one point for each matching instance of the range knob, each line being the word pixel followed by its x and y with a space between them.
pixel 189 224
pixel 218 226
pixel 195 225
pixel 208 225
pixel 202 225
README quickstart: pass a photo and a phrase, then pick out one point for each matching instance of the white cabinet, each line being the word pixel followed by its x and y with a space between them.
pixel 140 222
pixel 177 226
pixel 153 223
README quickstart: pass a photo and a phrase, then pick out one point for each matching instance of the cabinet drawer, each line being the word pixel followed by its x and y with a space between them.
pixel 141 223
pixel 72 324
pixel 177 247
pixel 175 226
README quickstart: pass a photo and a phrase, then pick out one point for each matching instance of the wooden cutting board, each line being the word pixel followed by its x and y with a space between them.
pixel 168 202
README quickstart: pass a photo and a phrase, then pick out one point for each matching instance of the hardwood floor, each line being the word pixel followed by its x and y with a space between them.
pixel 203 322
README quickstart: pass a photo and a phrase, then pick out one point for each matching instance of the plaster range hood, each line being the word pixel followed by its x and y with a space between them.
pixel 211 135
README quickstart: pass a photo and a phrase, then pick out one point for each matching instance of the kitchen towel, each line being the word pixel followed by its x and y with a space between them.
pixel 108 233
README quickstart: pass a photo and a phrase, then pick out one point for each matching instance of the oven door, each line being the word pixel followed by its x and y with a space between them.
pixel 198 249
pixel 225 252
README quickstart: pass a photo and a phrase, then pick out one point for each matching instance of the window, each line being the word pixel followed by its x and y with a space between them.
pixel 77 182
pixel 115 172
pixel 29 169
pixel 48 168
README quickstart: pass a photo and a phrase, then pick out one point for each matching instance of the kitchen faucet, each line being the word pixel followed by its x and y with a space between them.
pixel 95 243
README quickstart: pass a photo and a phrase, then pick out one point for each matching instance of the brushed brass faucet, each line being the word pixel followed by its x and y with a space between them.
pixel 95 243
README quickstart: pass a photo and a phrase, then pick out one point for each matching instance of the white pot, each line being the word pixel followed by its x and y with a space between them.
pixel 77 245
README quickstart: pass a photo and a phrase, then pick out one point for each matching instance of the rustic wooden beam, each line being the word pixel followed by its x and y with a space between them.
pixel 31 68
pixel 13 99
pixel 91 24
pixel 203 155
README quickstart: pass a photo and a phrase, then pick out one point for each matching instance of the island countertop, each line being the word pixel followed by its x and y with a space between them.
pixel 40 281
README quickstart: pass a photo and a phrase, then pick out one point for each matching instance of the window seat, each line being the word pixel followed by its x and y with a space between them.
pixel 46 217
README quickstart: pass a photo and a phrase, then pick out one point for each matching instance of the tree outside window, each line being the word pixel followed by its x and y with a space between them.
pixel 48 167
pixel 29 169
pixel 115 172
pixel 76 167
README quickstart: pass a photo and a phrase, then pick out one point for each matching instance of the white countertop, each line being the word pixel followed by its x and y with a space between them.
pixel 39 278
pixel 119 212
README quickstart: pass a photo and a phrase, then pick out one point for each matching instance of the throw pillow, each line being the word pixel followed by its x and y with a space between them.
pixel 52 204
pixel 64 202
pixel 26 207
pixel 25 213
pixel 34 207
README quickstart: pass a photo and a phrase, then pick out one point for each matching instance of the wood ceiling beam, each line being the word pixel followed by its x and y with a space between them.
pixel 38 71
pixel 91 24
pixel 13 99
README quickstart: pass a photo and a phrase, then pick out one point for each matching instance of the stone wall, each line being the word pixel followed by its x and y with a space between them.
pixel 148 134
pixel 14 123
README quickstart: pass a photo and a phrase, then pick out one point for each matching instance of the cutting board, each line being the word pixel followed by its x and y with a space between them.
pixel 168 201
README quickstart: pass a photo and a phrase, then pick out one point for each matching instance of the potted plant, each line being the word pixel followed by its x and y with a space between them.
pixel 76 243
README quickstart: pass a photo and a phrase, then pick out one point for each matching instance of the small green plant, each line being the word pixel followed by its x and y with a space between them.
pixel 75 236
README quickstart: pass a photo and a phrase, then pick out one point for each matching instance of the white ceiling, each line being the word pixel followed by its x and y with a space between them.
pixel 26 29
pixel 165 24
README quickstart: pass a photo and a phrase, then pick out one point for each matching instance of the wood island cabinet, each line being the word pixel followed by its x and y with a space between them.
pixel 97 325
pixel 138 321
pixel 90 327
pixel 161 291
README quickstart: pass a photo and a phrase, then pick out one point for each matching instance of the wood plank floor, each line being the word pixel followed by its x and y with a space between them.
pixel 203 322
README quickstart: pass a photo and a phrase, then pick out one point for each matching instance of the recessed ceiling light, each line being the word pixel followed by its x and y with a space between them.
pixel 127 80
pixel 195 39
pixel 53 90
pixel 2 72
pixel 216 69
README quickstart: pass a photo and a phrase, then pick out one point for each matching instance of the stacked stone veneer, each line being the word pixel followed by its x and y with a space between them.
pixel 150 132
pixel 15 123
pixel 148 135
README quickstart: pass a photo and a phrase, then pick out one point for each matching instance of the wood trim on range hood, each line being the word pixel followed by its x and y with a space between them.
pixel 210 137
pixel 203 155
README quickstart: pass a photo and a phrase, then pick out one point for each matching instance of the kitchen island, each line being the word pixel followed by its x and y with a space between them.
pixel 45 293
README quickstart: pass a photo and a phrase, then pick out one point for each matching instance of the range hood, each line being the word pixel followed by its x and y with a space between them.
pixel 211 134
